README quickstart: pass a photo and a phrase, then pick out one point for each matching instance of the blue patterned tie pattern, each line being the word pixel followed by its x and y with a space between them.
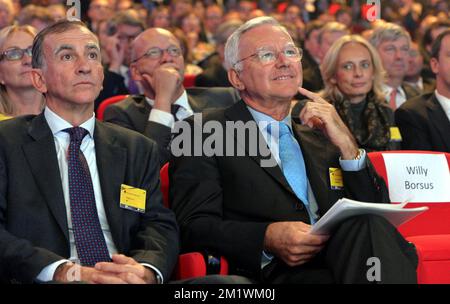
pixel 292 162
pixel 89 239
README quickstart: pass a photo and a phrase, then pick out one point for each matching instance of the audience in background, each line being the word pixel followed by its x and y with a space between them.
pixel 17 93
pixel 158 65
pixel 393 43
pixel 353 75
pixel 424 121
pixel 413 75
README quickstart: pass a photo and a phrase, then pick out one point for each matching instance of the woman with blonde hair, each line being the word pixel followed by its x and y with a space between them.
pixel 17 94
pixel 353 76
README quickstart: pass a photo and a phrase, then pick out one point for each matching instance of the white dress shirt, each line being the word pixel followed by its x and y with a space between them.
pixel 62 141
pixel 445 103
pixel 167 119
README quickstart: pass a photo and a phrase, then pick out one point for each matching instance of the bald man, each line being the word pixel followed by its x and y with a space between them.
pixel 158 64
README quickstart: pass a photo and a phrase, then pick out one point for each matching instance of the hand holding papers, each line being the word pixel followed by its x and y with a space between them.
pixel 345 208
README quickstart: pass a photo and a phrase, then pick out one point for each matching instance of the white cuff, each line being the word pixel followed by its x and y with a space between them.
pixel 162 117
pixel 46 274
pixel 158 273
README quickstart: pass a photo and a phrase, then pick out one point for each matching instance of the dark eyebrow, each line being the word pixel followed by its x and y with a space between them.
pixel 92 46
pixel 63 48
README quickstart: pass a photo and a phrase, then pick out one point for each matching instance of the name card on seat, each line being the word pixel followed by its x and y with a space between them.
pixel 417 178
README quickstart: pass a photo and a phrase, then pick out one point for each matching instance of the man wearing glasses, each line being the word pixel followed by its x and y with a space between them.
pixel 157 64
pixel 260 216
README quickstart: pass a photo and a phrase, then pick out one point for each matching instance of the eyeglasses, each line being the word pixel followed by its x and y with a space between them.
pixel 156 53
pixel 15 53
pixel 268 55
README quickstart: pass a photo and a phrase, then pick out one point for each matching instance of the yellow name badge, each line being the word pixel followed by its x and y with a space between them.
pixel 132 198
pixel 395 134
pixel 336 180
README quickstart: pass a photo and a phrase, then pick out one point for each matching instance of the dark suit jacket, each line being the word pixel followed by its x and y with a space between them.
pixel 410 91
pixel 33 218
pixel 224 204
pixel 423 124
pixel 214 75
pixel 312 78
pixel 133 113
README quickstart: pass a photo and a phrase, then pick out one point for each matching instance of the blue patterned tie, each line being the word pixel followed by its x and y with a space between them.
pixel 292 162
pixel 89 239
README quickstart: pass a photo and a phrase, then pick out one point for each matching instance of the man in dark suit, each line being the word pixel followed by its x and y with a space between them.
pixel 76 189
pixel 424 121
pixel 258 213
pixel 158 65
pixel 57 204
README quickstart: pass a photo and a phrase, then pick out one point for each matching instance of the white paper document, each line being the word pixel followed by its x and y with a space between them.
pixel 345 208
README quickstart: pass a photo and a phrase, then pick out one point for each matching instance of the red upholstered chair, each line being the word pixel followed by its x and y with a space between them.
pixel 189 81
pixel 192 264
pixel 108 101
pixel 430 231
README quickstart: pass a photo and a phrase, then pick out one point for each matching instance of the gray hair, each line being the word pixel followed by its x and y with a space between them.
pixel 388 32
pixel 232 45
pixel 332 27
pixel 59 27
pixel 225 30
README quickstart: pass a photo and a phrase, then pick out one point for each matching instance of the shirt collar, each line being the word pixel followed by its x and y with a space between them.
pixel 388 89
pixel 57 124
pixel 444 101
pixel 263 120
pixel 182 101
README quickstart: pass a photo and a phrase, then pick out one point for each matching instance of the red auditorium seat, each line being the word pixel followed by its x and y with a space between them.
pixel 192 264
pixel 429 232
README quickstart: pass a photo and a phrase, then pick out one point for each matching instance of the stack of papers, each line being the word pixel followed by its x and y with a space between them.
pixel 345 208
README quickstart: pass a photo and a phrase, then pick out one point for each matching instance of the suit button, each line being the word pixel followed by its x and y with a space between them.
pixel 299 207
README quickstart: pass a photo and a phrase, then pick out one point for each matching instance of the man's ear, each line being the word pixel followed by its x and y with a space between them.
pixel 235 80
pixel 434 65
pixel 135 74
pixel 38 80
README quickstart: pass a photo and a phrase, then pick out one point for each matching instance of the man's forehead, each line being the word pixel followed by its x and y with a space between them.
pixel 73 37
pixel 158 39
pixel 271 35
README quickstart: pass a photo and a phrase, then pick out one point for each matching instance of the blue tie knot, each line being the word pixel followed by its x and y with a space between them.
pixel 76 133
pixel 282 128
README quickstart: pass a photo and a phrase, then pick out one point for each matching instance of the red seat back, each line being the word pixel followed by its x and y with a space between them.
pixel 164 177
pixel 189 81
pixel 434 221
pixel 108 101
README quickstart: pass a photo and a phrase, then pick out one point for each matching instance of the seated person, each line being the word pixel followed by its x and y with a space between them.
pixel 158 65
pixel 258 212
pixel 18 96
pixel 353 77
pixel 61 175
pixel 424 121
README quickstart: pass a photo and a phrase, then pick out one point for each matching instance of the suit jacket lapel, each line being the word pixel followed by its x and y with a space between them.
pixel 439 119
pixel 239 112
pixel 140 113
pixel 195 104
pixel 41 156
pixel 111 164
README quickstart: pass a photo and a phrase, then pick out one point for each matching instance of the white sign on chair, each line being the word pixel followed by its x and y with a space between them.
pixel 416 177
